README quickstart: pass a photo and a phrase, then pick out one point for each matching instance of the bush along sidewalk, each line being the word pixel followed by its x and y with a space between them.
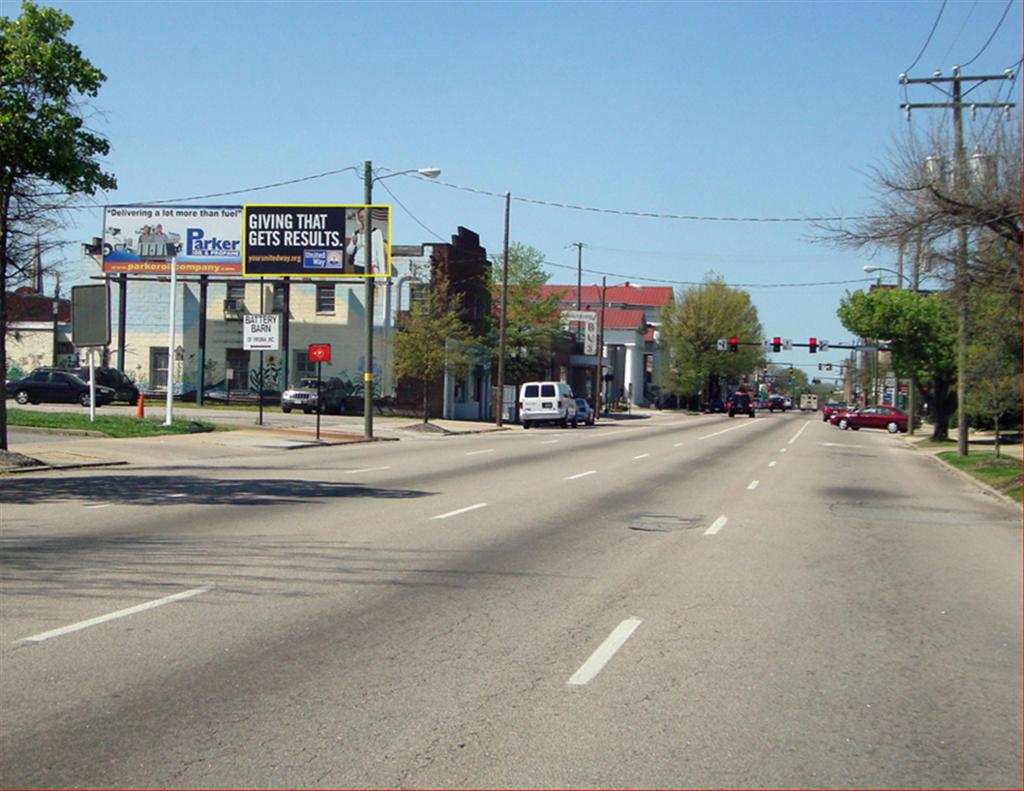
pixel 111 425
pixel 1003 475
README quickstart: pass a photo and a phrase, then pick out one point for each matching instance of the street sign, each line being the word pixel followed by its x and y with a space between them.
pixel 319 352
pixel 90 315
pixel 787 344
pixel 723 344
pixel 766 346
pixel 261 332
pixel 823 345
pixel 588 318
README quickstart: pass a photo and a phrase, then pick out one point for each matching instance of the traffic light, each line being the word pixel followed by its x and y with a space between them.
pixel 776 344
pixel 819 366
pixel 828 366
pixel 734 344
pixel 812 346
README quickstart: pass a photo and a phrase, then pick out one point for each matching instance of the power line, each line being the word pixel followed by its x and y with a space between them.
pixel 629 213
pixel 999 24
pixel 959 33
pixel 928 40
pixel 415 219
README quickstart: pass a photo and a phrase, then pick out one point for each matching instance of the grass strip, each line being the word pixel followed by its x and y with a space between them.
pixel 1003 474
pixel 112 425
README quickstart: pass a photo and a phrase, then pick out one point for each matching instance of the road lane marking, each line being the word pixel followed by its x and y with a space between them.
pixel 364 469
pixel 38 638
pixel 460 511
pixel 801 431
pixel 478 452
pixel 717 525
pixel 580 475
pixel 724 430
pixel 782 450
pixel 548 441
pixel 177 495
pixel 677 445
pixel 105 505
pixel 612 643
pixel 772 463
pixel 641 456
pixel 753 484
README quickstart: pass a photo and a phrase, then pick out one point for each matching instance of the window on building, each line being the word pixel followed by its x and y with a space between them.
pixel 303 367
pixel 158 363
pixel 280 292
pixel 325 298
pixel 236 289
pixel 237 360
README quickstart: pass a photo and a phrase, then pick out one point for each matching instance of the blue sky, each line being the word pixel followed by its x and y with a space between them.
pixel 742 109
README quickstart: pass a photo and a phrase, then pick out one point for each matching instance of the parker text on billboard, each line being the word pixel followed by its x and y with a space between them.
pixel 144 239
pixel 314 241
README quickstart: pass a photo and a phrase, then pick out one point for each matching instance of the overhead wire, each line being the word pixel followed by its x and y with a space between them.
pixel 928 40
pixel 999 24
pixel 956 38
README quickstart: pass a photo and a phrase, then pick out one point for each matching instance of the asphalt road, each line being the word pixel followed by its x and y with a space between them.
pixel 673 602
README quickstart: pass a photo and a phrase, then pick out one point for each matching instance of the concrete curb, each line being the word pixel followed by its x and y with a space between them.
pixel 45 467
pixel 71 432
pixel 971 479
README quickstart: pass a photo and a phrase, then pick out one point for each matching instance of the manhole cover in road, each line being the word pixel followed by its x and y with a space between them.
pixel 663 523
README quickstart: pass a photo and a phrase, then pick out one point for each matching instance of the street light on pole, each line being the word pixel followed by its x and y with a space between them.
pixel 368 180
pixel 870 269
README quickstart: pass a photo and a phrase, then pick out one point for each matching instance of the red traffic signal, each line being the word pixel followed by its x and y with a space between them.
pixel 776 344
pixel 812 345
pixel 734 344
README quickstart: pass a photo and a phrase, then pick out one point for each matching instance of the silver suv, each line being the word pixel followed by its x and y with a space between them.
pixel 303 396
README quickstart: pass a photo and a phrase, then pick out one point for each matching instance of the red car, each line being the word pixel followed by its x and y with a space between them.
pixel 838 414
pixel 831 408
pixel 878 416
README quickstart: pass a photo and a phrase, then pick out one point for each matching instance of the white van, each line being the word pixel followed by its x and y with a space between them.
pixel 547 402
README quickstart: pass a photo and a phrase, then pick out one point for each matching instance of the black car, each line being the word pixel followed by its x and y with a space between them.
pixel 714 405
pixel 53 385
pixel 741 403
pixel 777 402
pixel 123 387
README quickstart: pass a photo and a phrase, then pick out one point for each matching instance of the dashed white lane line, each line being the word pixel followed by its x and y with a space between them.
pixel 724 430
pixel 753 484
pixel 677 445
pixel 460 511
pixel 548 441
pixel 364 469
pixel 782 450
pixel 580 475
pixel 717 525
pixel 105 505
pixel 75 627
pixel 801 431
pixel 478 452
pixel 589 669
pixel 641 456
pixel 772 463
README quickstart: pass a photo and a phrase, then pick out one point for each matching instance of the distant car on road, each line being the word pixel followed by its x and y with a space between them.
pixel 779 402
pixel 715 405
pixel 741 403
pixel 879 416
pixel 303 396
pixel 547 402
pixel 55 386
pixel 583 411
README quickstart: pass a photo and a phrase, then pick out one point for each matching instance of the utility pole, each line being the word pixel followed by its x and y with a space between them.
pixel 600 355
pixel 499 397
pixel 579 274
pixel 368 271
pixel 959 180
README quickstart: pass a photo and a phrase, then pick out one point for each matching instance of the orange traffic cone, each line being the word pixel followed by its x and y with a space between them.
pixel 140 409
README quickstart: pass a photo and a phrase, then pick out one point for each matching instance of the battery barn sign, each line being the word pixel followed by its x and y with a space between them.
pixel 205 240
pixel 315 241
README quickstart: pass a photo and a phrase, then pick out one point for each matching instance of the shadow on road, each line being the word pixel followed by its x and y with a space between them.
pixel 176 490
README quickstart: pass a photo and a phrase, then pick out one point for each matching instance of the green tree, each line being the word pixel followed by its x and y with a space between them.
pixel 431 339
pixel 47 155
pixel 533 328
pixel 692 324
pixel 920 331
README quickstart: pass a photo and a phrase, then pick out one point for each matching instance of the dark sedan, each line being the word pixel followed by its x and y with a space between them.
pixel 50 385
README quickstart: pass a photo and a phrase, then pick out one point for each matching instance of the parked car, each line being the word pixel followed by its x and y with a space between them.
pixel 304 396
pixel 584 413
pixel 55 386
pixel 830 408
pixel 219 393
pixel 715 405
pixel 890 418
pixel 123 387
pixel 778 402
pixel 838 417
pixel 547 402
pixel 741 403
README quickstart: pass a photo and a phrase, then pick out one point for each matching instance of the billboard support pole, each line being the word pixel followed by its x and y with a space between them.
pixel 368 272
pixel 169 419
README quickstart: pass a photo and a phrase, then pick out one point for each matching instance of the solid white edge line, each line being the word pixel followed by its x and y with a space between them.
pixel 724 430
pixel 460 511
pixel 580 475
pixel 753 484
pixel 801 431
pixel 717 525
pixel 612 643
pixel 364 469
pixel 38 638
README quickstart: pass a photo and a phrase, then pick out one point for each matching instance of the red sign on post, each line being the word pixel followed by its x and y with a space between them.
pixel 319 352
